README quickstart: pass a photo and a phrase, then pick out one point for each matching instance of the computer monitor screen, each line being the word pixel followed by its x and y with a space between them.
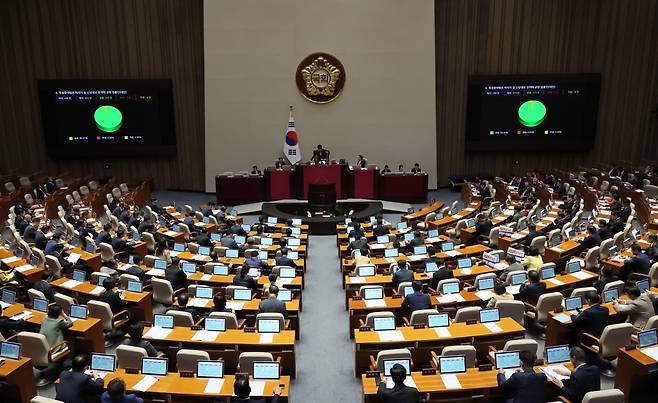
pixel 507 359
pixel 205 220
pixel 90 248
pixel 402 225
pixel 232 253
pixel 79 275
pixel 160 264
pixel 613 251
pixel 431 267
pixel 210 369
pixel 420 250
pixel 215 237
pixel 450 288
pixel 433 233
pixel 266 241
pixel 486 284
pixel 438 320
pixel 408 236
pixel 189 267
pixel 391 252
pixel 470 223
pixel 253 272
pixel 647 338
pixel 262 255
pixel 10 350
pixel 163 321
pixel 382 239
pixel 220 270
pixel 101 280
pixel 154 366
pixel 557 354
pixel 610 294
pixel 522 225
pixel 407 290
pixel 34 260
pixel 489 315
pixel 176 228
pixel 447 246
pixel 452 364
pixel 239 239
pixel 204 292
pixel 547 272
pixel 8 296
pixel 131 259
pixel 242 295
pixel 134 286
pixel 571 233
pixel 284 295
pixel 271 220
pixel 294 241
pixel 246 227
pixel 266 370
pixel 642 285
pixel 204 250
pixel 79 311
pixel 287 272
pixel 388 364
pixel 556 240
pixel 40 304
pixel 373 293
pixel 387 323
pixel 573 266
pixel 573 303
pixel 215 324
pixel 518 278
pixel 296 221
pixel 465 263
pixel 179 247
pixel 366 271
pixel 294 255
pixel 103 362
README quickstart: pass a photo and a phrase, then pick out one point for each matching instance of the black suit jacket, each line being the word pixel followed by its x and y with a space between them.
pixel 586 378
pixel 75 387
pixel 103 237
pixel 46 288
pixel 398 394
pixel 523 387
pixel 483 228
pixel 285 261
pixel 605 233
pixel 246 281
pixel 380 230
pixel 624 213
pixel 402 276
pixel 532 235
pixel 176 277
pixel 417 300
pixel 29 233
pixel 591 241
pixel 40 240
pixel 443 273
pixel 113 299
pixel 592 320
pixel 530 293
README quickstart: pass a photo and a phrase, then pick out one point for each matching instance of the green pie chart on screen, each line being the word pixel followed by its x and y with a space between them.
pixel 532 113
pixel 108 118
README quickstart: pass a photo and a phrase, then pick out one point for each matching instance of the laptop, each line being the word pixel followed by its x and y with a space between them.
pixel 647 338
pixel 134 286
pixel 79 311
pixel 246 227
pixel 215 324
pixel 220 270
pixel 573 266
pixel 420 250
pixel 266 241
pixel 232 253
pixel 518 278
pixel 431 267
pixel 465 263
pixel 486 284
pixel 507 359
pixel 365 271
pixel 610 294
pixel 447 246
pixel 401 225
pixel 103 362
pixel 34 260
pixel 209 369
pixel 387 323
pixel 179 247
pixel 642 285
pixel 154 366
pixel 294 241
pixel 433 233
pixel 288 272
pixel 160 264
pixel 391 252
pixel 10 350
pixel 189 267
pixel 242 295
pixel 373 293
pixel 8 296
pixel 163 321
pixel 489 315
pixel 239 239
pixel 284 295
pixel 203 292
pixel 40 304
pixel 573 303
pixel 438 320
pixel 547 273
pixel 452 364
pixel 294 255
pixel 557 354
pixel 79 275
pixel 450 288
pixel 388 364
pixel 266 370
pixel 382 239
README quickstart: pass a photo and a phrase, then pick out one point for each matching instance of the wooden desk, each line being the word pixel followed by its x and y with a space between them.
pixel 448 221
pixel 32 275
pixel 559 254
pixel 633 366
pixel 176 237
pixel 92 260
pixel 19 373
pixel 420 214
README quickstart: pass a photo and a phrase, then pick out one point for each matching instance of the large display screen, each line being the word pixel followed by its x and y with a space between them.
pixel 539 113
pixel 107 118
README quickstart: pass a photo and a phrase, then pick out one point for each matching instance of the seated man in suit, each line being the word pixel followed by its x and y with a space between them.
pixel 593 319
pixel 116 393
pixel 417 300
pixel 615 224
pixel 625 211
pixel 402 273
pixel 400 393
pixel 279 163
pixel 119 245
pixel 256 171
pixel 182 306
pixel 483 226
pixel 512 266
pixel 244 279
pixel 254 261
pixel 639 308
pixel 175 275
pixel 605 277
pixel 652 250
pixel 380 229
pixel 111 297
pixel 416 169
pixel 30 231
pixel 271 304
pixel 75 385
pixel 533 233
pixel 524 386
pixel 284 260
pixel 135 333
pixel 104 235
pixel 532 289
pixel 40 240
pixel 228 241
pixel 584 377
pixel 44 285
pixel 320 155
pixel 593 238
pixel 357 232
pixel 242 390
pixel 357 244
pixel 639 263
pixel 417 239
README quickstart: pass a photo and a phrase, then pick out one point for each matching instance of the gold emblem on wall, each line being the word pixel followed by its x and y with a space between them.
pixel 320 77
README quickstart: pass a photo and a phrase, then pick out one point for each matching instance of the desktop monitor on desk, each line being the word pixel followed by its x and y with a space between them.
pixel 547 273
pixel 557 354
pixel 573 266
pixel 647 338
pixel 154 366
pixel 486 284
pixel 79 312
pixel 388 364
pixel 366 271
pixel 386 323
pixel 610 294
pixel 209 369
pixel 431 267
pixel 450 288
pixel 420 250
pixel 242 294
pixel 518 278
pixel 507 359
pixel 438 320
pixel 465 263
pixel 214 324
pixel 266 370
pixel 373 293
pixel 447 246
pixel 10 350
pixel 284 295
pixel 103 362
pixel 489 315
pixel 573 303
pixel 268 326
pixel 163 321
pixel 452 364
pixel 40 304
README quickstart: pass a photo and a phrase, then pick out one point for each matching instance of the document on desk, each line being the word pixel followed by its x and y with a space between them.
pixel 417 258
pixel 467 271
pixel 433 239
pixel 73 258
pixel 494 328
pixel 4 305
pixel 581 275
pixel 286 281
pixel 390 259
pixel 266 338
pixel 155 272
pixel 174 253
pixel 501 266
pixel 469 209
pixel 390 335
pixel 375 303
pixel 516 235
pixel 22 316
pixel 205 335
pixel 10 259
pixel 24 268
pixel 146 382
pixel 377 246
pixel 157 332
pixel 357 280
pixel 98 290
pixel 551 374
pixel 446 299
pixel 214 385
pixel 555 281
pixel 206 277
pixel 562 318
pixel 408 381
pixel 453 253
pixel 257 387
pixel 513 289
pixel 199 257
pixel 650 352
pixel 70 284
pixel 484 295
pixel 236 306
pixel 198 302
pixel 442 332
pixel 456 216
pixel 450 381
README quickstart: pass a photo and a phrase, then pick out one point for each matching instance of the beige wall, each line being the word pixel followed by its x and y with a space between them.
pixel 386 110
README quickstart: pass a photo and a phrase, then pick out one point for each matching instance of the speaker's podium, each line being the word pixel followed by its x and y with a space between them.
pixel 322 175
pixel 364 182
pixel 322 196
pixel 278 183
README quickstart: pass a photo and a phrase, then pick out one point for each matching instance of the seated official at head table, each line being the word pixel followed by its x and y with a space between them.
pixel 320 155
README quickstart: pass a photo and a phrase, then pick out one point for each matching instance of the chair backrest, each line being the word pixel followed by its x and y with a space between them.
pixel 466 350
pixel 10 187
pixel 185 230
pixel 116 193
pixel 493 237
pixel 394 354
pixel 101 310
pixel 39 253
pixel 162 291
pixel 467 313
pixel 652 323
pixel 538 242
pixel 365 287
pixel 181 318
pixel 124 188
pixel 230 319
pixel 592 257
pixel 193 247
pixel 28 199
pixel 619 285
pixel 95 276
pixel 402 286
pixel 618 240
pixel 34 346
pixel 521 345
pixel 511 309
pixel 604 396
pixel 419 317
pixel 64 301
pixel 604 248
pixel 653 274
pixel 370 318
pixel 615 337
pixel 32 293
pixel 246 360
pixel 273 316
pixel 582 291
pixel 548 302
pixel 124 278
pixel 130 356
pixel 84 190
pixel 25 181
pixel 41 399
pixel 186 359
pixel 53 265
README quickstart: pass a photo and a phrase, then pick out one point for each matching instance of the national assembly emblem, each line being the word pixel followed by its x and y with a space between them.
pixel 320 77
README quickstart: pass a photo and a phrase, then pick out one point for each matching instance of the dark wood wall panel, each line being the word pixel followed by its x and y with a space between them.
pixel 618 38
pixel 113 39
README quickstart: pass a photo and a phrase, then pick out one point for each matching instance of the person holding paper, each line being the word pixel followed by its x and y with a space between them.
pixel 116 393
pixel 584 378
pixel 400 393
pixel 524 386
pixel 242 392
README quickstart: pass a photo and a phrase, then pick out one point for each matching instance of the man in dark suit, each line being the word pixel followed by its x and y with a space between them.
pixel 136 271
pixel 45 287
pixel 182 306
pixel 271 304
pixel 400 393
pixel 357 232
pixel 284 260
pixel 175 275
pixel 402 274
pixel 242 390
pixel 417 239
pixel 380 229
pixel 203 239
pixel 116 393
pixel 625 211
pixel 532 234
pixel 30 231
pixel 640 263
pixel 40 240
pixel 524 386
pixel 443 273
pixel 254 260
pixel 134 220
pixel 75 386
pixel 357 244
pixel 228 241
pixel 104 235
pixel 417 300
pixel 584 378
pixel 244 279
pixel 605 277
pixel 593 238
pixel 119 245
pixel 238 230
pixel 483 226
pixel 111 297
pixel 604 230
pixel 8 326
pixel 532 289
pixel 593 319
pixel 615 224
